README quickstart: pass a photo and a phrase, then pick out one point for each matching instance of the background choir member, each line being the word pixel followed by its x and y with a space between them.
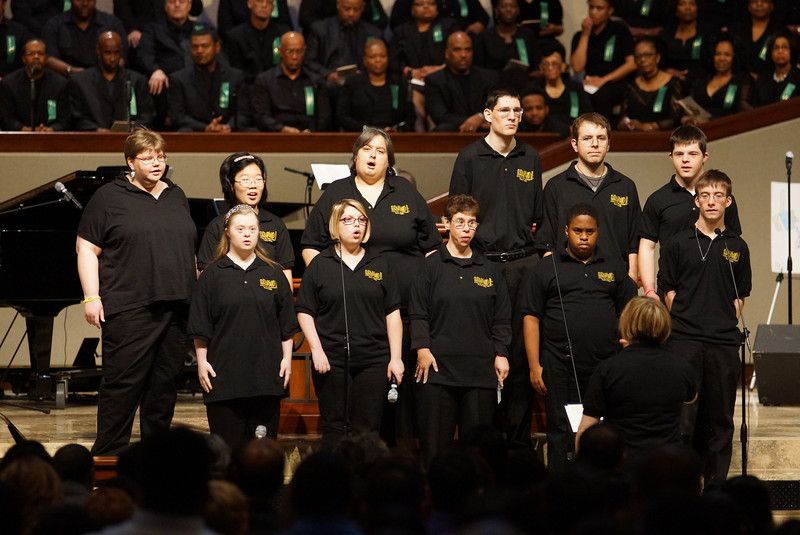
pixel 34 97
pixel 684 39
pixel 232 13
pixel 136 243
pixel 356 349
pixel 782 81
pixel 548 13
pixel 706 276
pixel 135 14
pixel 536 116
pixel 14 35
pixel 402 229
pixel 243 178
pixel 642 389
pixel 252 46
pixel 375 97
pixel 566 98
pixel 243 323
pixel 461 329
pixel 651 100
pixel 98 95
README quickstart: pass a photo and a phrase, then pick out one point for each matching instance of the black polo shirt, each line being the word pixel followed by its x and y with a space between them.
pixel 371 296
pixel 704 292
pixel 642 391
pixel 617 204
pixel 68 42
pixel 593 295
pixel 243 315
pixel 279 101
pixel 460 309
pixel 147 244
pixel 607 50
pixel 671 209
pixel 274 238
pixel 402 228
pixel 509 190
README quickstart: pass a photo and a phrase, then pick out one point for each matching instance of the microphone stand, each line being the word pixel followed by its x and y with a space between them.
pixel 789 231
pixel 128 104
pixel 309 186
pixel 346 428
pixel 33 104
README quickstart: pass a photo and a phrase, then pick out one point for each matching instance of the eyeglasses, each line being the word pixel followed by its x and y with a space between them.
pixel 704 197
pixel 589 140
pixel 249 182
pixel 505 112
pixel 152 160
pixel 349 220
pixel 460 224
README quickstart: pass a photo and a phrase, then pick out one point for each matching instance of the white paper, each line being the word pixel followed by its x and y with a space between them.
pixel 325 173
pixel 574 413
pixel 779 226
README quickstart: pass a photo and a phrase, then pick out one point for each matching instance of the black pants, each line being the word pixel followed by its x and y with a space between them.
pixel 516 408
pixel 143 354
pixel 235 420
pixel 559 378
pixel 708 424
pixel 366 390
pixel 441 408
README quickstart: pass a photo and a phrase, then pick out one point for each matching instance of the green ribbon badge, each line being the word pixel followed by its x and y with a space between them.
pixel 51 110
pixel 658 105
pixel 395 89
pixel 762 54
pixel 788 90
pixel 309 92
pixel 697 44
pixel 463 8
pixel 522 50
pixel 544 14
pixel 645 9
pixel 730 95
pixel 375 13
pixel 274 13
pixel 11 49
pixel 134 107
pixel 437 33
pixel 67 5
pixel 276 56
pixel 574 106
pixel 224 95
pixel 608 54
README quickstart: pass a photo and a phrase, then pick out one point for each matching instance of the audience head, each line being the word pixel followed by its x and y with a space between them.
pixel 534 107
pixel 455 476
pixel 360 452
pixel 109 505
pixel 602 446
pixel 34 58
pixel 376 57
pixel 321 486
pixel 109 52
pixel 459 53
pixel 673 470
pixel 37 486
pixel 752 499
pixel 250 168
pixel 175 472
pixel 645 320
pixel 373 139
pixel 25 448
pixel 75 462
pixel 225 511
pixel 394 496
pixel 258 469
pixel 408 176
pixel 205 48
pixel 349 11
pixel 292 51
pixel 177 11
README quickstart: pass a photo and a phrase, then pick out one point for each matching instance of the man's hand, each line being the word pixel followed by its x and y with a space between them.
pixel 158 81
pixel 425 361
pixel 216 125
pixel 536 380
pixel 472 123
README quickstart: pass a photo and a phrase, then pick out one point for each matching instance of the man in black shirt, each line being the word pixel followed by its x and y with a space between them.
pixel 109 92
pixel 505 176
pixel 253 45
pixel 591 180
pixel 705 274
pixel 536 115
pixel 207 96
pixel 13 37
pixel 288 98
pixel 71 36
pixel 455 95
pixel 34 98
pixel 572 301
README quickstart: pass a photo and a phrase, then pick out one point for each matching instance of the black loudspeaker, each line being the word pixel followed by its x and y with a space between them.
pixel 776 356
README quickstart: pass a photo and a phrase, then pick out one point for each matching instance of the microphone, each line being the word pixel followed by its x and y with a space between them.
pixel 261 431
pixel 391 397
pixel 789 158
pixel 62 189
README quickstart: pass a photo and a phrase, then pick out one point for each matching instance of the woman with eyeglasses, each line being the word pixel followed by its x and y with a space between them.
pixel 402 229
pixel 782 82
pixel 461 328
pixel 243 178
pixel 243 322
pixel 136 243
pixel 349 309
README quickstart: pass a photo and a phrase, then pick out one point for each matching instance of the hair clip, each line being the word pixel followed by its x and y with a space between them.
pixel 244 157
pixel 236 209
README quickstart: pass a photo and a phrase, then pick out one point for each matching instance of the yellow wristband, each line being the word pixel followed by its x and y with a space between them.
pixel 90 298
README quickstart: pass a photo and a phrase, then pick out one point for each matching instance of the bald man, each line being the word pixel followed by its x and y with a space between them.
pixel 106 92
pixel 455 97
pixel 288 98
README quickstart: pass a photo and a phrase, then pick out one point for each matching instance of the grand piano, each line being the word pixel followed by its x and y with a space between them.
pixel 38 266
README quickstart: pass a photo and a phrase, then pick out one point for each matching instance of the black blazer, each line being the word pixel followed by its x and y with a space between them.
pixel 191 109
pixel 445 101
pixel 91 107
pixel 358 100
pixel 324 45
pixel 410 48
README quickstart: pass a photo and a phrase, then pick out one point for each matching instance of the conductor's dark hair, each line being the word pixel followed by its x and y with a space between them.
pixel 602 446
pixel 466 204
pixel 231 166
pixel 499 92
pixel 321 486
pixel 579 209
pixel 686 135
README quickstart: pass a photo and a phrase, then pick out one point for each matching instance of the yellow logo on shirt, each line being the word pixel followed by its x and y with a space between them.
pixel 618 201
pixel 374 275
pixel 525 176
pixel 730 256
pixel 268 236
pixel 483 283
pixel 605 277
pixel 400 209
pixel 270 284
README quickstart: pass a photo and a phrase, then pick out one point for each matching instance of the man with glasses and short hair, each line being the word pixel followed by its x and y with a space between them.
pixel 505 176
pixel 698 268
pixel 591 180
